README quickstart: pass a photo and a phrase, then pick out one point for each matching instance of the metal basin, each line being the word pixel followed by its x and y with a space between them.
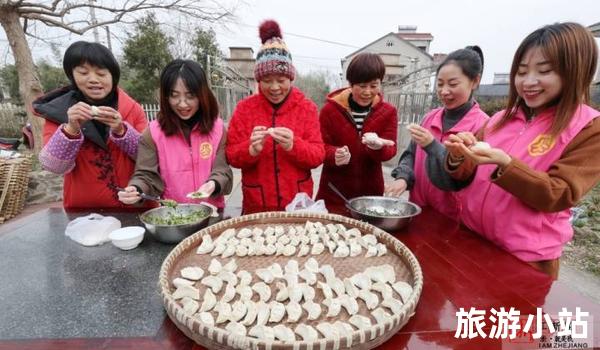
pixel 359 206
pixel 175 233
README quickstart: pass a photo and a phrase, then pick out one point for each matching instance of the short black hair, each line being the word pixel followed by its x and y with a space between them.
pixel 365 67
pixel 469 60
pixel 195 80
pixel 95 54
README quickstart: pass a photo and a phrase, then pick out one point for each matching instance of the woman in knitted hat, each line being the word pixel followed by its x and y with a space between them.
pixel 274 136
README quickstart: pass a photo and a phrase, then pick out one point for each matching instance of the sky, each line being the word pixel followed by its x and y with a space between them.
pixel 344 26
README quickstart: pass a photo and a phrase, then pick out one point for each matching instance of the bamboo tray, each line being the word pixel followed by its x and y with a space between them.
pixel 184 254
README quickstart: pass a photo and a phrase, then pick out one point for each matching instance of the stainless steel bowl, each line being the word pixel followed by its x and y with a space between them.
pixel 175 233
pixel 358 209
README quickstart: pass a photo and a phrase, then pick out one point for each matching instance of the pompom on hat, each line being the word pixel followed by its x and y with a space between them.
pixel 273 56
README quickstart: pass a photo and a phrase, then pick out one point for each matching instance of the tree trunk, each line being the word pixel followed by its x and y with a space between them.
pixel 29 82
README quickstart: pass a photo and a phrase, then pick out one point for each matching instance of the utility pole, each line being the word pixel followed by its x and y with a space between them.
pixel 108 38
pixel 94 21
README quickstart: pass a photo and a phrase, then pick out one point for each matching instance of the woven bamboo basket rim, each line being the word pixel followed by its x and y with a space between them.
pixel 215 337
pixel 14 179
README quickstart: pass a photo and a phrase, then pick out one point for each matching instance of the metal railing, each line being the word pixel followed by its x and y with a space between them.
pixel 412 106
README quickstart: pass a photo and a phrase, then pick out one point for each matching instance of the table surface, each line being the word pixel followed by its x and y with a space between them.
pixel 57 294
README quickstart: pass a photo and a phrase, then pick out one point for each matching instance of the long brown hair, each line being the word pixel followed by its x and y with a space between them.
pixel 571 50
pixel 194 79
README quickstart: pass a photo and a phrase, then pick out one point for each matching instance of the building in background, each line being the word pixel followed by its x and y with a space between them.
pixel 409 64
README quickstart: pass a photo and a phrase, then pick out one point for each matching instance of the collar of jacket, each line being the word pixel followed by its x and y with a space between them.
pixel 340 98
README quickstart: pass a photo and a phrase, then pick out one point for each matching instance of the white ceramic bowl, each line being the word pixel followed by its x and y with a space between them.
pixel 127 237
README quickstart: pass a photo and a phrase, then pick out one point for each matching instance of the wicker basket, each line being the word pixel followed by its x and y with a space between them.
pixel 14 178
pixel 406 266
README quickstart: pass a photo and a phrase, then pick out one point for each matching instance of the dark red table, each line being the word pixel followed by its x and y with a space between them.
pixel 461 270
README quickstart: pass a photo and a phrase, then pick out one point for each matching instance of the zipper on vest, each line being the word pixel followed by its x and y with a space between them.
pixel 275 167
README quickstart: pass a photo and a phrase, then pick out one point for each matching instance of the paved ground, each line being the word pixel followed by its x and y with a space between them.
pixel 585 283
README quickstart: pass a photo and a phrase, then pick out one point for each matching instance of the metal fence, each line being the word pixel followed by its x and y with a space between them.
pixel 412 106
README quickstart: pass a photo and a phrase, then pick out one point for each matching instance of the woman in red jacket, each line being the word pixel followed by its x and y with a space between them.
pixel 274 135
pixel 359 131
pixel 92 129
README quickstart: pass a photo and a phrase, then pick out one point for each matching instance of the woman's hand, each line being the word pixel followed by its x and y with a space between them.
pixel 374 142
pixel 78 114
pixel 395 188
pixel 458 144
pixel 420 135
pixel 284 137
pixel 342 156
pixel 112 118
pixel 257 140
pixel 207 188
pixel 489 156
pixel 129 195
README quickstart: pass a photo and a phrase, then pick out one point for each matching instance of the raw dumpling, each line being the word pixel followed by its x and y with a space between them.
pixel 229 251
pixel 404 289
pixel 178 282
pixel 206 246
pixel 361 280
pixel 371 251
pixel 381 249
pixel 209 301
pixel 251 313
pixel 245 292
pixel 369 298
pixel 292 267
pixel 381 316
pixel 282 294
pixel 307 332
pixel 277 311
pixel 229 293
pixel 241 250
pixel 294 311
pixel 245 277
pixel 328 330
pixel 308 292
pixel 327 272
pixel 349 304
pixel 244 233
pixel 265 274
pixel 370 239
pixel 224 312
pixel 206 318
pixel 219 249
pixel 295 292
pixel 283 333
pixel 236 328
pixel 303 250
pixel 360 321
pixel 215 267
pixel 289 250
pixel 238 310
pixel 262 332
pixel 355 249
pixel 351 289
pixel 383 288
pixel 308 276
pixel 327 292
pixel 337 285
pixel 190 306
pixel 213 282
pixel 343 328
pixel 342 250
pixel 264 311
pixel 313 309
pixel 193 273
pixel 262 290
pixel 334 306
pixel 228 276
pixel 276 270
pixel 317 249
pixel 186 291
pixel 393 304
pixel 312 265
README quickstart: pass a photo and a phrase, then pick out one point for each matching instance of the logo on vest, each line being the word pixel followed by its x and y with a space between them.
pixel 205 150
pixel 542 144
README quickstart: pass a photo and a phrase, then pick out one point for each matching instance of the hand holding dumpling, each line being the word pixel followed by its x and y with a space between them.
pixel 283 136
pixel 373 141
pixel 420 135
pixel 342 156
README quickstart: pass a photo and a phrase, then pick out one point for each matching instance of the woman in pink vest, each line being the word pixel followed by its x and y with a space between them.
pixel 540 155
pixel 183 151
pixel 458 76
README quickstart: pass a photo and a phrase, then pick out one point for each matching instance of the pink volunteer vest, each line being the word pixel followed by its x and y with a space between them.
pixel 424 193
pixel 185 167
pixel 525 232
